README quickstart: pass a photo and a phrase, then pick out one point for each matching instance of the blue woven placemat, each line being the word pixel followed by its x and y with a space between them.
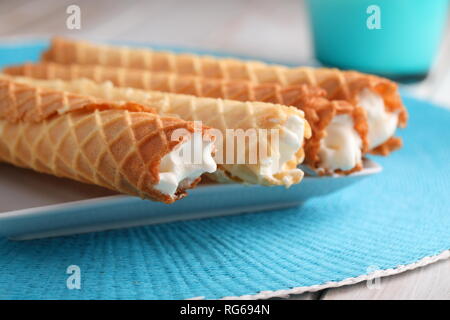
pixel 394 218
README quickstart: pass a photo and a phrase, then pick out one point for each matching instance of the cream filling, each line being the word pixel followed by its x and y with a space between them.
pixel 341 146
pixel 290 140
pixel 382 124
pixel 179 168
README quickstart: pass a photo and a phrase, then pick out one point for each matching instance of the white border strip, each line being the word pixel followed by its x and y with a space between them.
pixel 349 281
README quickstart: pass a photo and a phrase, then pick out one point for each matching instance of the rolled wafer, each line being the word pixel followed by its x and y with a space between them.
pixel 379 96
pixel 257 143
pixel 117 146
pixel 339 128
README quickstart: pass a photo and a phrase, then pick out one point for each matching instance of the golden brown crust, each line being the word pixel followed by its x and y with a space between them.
pixel 73 136
pixel 320 112
pixel 394 143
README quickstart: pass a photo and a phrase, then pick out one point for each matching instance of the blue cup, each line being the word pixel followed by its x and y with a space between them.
pixel 394 38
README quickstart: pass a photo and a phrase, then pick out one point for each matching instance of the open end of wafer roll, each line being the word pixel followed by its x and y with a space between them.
pixel 276 149
pixel 385 111
pixel 179 169
pixel 339 130
pixel 378 96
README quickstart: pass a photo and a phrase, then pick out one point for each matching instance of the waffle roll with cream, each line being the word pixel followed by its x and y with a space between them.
pixel 339 129
pixel 273 135
pixel 117 146
pixel 378 96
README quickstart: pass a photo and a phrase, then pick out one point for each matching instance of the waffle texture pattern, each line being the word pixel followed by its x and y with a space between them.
pixel 86 139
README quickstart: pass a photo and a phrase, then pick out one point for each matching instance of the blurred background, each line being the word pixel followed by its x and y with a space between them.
pixel 413 34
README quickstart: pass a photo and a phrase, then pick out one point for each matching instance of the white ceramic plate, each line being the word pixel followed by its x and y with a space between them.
pixel 34 205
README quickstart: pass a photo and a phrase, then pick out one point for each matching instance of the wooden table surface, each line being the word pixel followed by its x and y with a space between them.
pixel 276 30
